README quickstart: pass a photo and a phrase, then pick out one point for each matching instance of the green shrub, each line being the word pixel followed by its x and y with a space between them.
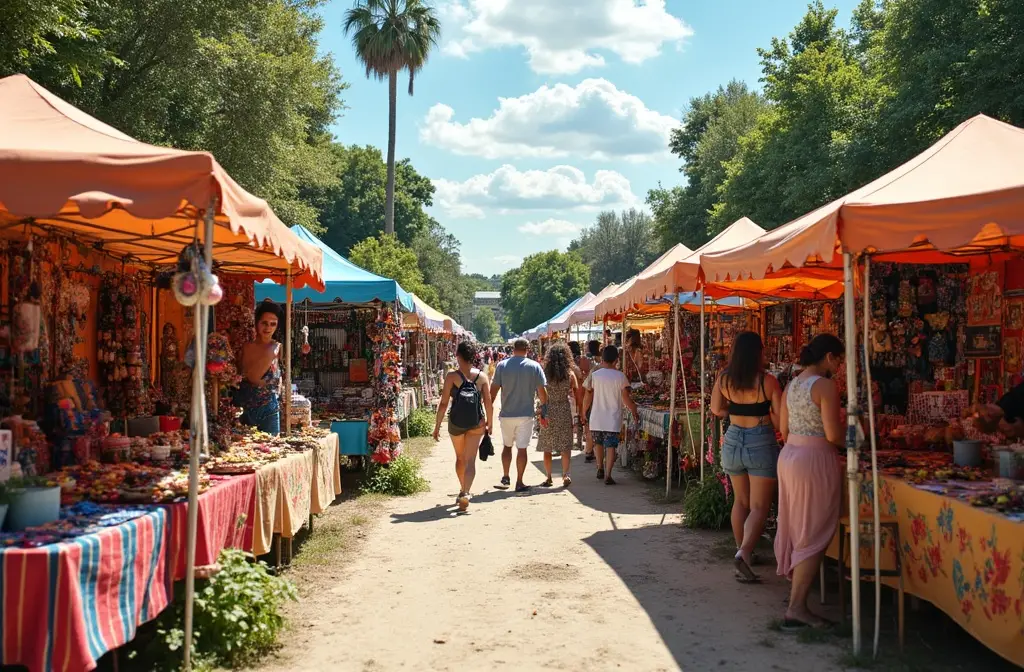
pixel 421 422
pixel 706 505
pixel 400 477
pixel 236 619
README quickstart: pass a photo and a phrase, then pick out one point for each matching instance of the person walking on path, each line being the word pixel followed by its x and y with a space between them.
pixel 607 392
pixel 751 398
pixel 593 363
pixel 471 416
pixel 809 475
pixel 519 380
pixel 556 433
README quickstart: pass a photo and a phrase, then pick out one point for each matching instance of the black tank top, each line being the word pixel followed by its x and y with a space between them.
pixel 758 409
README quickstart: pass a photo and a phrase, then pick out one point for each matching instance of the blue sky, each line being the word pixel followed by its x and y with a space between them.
pixel 531 120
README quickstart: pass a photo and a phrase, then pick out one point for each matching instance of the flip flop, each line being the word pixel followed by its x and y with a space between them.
pixel 506 483
pixel 742 579
pixel 796 625
pixel 744 569
pixel 547 484
pixel 523 488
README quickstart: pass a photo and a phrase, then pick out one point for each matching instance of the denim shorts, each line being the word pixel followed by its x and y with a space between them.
pixel 606 439
pixel 751 451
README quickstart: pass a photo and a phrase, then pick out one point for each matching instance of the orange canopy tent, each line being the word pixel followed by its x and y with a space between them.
pixel 961 196
pixel 644 284
pixel 62 169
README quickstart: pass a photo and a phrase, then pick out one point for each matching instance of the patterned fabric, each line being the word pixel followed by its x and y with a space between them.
pixel 261 404
pixel 804 414
pixel 64 605
pixel 283 491
pixel 224 511
pixel 557 436
pixel 326 474
pixel 653 422
pixel 606 439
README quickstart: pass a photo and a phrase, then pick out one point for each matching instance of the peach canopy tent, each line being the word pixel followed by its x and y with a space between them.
pixel 581 312
pixel 427 317
pixel 678 271
pixel 61 169
pixel 632 291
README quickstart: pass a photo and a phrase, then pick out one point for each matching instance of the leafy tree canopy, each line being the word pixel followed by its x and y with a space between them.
pixel 541 286
pixel 617 246
pixel 388 257
pixel 485 327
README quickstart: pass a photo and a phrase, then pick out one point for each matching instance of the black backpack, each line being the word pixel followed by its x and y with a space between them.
pixel 467 405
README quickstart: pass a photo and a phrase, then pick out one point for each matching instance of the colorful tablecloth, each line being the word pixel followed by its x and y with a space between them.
pixel 225 515
pixel 654 422
pixel 967 561
pixel 64 605
pixel 326 474
pixel 283 498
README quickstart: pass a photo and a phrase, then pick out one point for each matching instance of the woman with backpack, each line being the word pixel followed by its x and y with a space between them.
pixel 468 388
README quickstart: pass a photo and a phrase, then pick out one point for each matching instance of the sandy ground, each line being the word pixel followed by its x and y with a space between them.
pixel 592 577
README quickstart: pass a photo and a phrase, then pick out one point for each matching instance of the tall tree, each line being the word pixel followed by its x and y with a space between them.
pixel 617 246
pixel 485 327
pixel 388 258
pixel 542 286
pixel 390 36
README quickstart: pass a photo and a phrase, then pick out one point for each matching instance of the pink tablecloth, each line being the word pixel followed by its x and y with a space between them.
pixel 225 514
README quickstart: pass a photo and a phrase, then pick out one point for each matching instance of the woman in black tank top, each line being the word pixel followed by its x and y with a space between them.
pixel 751 398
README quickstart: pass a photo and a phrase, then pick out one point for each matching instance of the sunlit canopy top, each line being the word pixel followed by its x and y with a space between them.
pixel 61 169
pixel 582 312
pixel 344 281
pixel 963 195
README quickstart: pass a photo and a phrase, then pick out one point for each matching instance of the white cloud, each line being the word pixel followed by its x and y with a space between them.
pixel 550 227
pixel 508 189
pixel 508 259
pixel 592 120
pixel 563 36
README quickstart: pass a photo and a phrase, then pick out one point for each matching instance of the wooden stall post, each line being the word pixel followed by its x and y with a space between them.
pixel 288 353
pixel 703 377
pixel 672 392
pixel 852 413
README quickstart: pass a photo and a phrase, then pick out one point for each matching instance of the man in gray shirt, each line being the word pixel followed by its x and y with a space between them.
pixel 519 380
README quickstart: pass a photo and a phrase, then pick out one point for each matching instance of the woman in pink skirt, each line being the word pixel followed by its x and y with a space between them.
pixel 809 478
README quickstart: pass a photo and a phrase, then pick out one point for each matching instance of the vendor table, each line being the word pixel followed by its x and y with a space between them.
pixel 655 422
pixel 283 499
pixel 352 436
pixel 967 561
pixel 224 513
pixel 64 605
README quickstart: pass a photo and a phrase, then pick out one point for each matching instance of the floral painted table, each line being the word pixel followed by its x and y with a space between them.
pixel 967 561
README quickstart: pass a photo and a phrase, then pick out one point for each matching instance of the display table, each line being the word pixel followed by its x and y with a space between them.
pixel 654 422
pixel 64 605
pixel 283 499
pixel 326 474
pixel 967 561
pixel 224 514
pixel 352 436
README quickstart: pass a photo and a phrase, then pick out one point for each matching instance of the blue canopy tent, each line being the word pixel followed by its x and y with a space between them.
pixel 343 280
pixel 542 328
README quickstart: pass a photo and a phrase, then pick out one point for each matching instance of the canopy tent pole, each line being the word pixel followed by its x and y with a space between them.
pixel 874 455
pixel 288 353
pixel 703 375
pixel 851 445
pixel 622 364
pixel 197 415
pixel 672 392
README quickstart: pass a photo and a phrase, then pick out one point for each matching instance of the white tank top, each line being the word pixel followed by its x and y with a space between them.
pixel 804 414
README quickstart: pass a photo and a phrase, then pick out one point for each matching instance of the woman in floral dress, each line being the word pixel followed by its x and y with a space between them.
pixel 556 418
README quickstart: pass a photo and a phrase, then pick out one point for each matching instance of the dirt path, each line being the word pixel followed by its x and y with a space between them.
pixel 593 577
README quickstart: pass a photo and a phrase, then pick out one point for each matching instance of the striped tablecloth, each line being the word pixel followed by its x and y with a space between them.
pixel 64 605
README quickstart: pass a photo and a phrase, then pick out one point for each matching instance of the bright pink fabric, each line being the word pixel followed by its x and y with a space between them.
pixel 809 485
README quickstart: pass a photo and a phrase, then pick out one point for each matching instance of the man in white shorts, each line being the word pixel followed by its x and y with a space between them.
pixel 520 380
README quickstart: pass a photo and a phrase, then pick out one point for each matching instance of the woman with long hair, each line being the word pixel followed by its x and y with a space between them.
pixel 751 398
pixel 259 393
pixel 809 475
pixel 556 424
pixel 471 416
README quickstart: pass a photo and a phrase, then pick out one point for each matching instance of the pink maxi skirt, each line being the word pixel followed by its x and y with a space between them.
pixel 809 487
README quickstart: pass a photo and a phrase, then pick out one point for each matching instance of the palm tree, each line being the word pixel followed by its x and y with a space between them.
pixel 390 36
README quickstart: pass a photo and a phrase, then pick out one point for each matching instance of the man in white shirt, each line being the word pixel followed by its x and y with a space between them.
pixel 607 392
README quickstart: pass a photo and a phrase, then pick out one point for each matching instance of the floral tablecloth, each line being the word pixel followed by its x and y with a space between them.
pixel 326 474
pixel 965 560
pixel 225 514
pixel 62 606
pixel 283 498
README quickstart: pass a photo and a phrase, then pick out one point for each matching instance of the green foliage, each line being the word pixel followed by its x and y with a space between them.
pixel 437 252
pixel 617 246
pixel 237 616
pixel 706 506
pixel 421 422
pixel 485 327
pixel 481 283
pixel 387 257
pixel 400 477
pixel 542 286
pixel 242 79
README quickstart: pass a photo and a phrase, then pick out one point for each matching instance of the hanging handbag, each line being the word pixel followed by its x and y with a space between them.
pixel 486 447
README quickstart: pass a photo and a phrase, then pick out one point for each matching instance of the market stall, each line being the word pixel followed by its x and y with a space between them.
pixel 955 203
pixel 346 351
pixel 99 230
pixel 423 368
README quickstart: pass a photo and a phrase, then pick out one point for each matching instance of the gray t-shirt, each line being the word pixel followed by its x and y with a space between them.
pixel 519 379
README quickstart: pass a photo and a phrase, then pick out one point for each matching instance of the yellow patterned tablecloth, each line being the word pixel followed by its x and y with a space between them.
pixel 326 474
pixel 283 499
pixel 965 560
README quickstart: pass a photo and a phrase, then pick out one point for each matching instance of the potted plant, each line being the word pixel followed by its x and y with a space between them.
pixel 33 501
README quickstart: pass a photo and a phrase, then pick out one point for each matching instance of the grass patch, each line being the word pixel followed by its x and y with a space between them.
pixel 400 477
pixel 359 520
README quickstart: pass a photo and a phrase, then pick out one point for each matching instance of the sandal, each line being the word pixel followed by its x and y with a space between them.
pixel 609 481
pixel 566 481
pixel 744 569
pixel 522 488
pixel 463 503
pixel 547 484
